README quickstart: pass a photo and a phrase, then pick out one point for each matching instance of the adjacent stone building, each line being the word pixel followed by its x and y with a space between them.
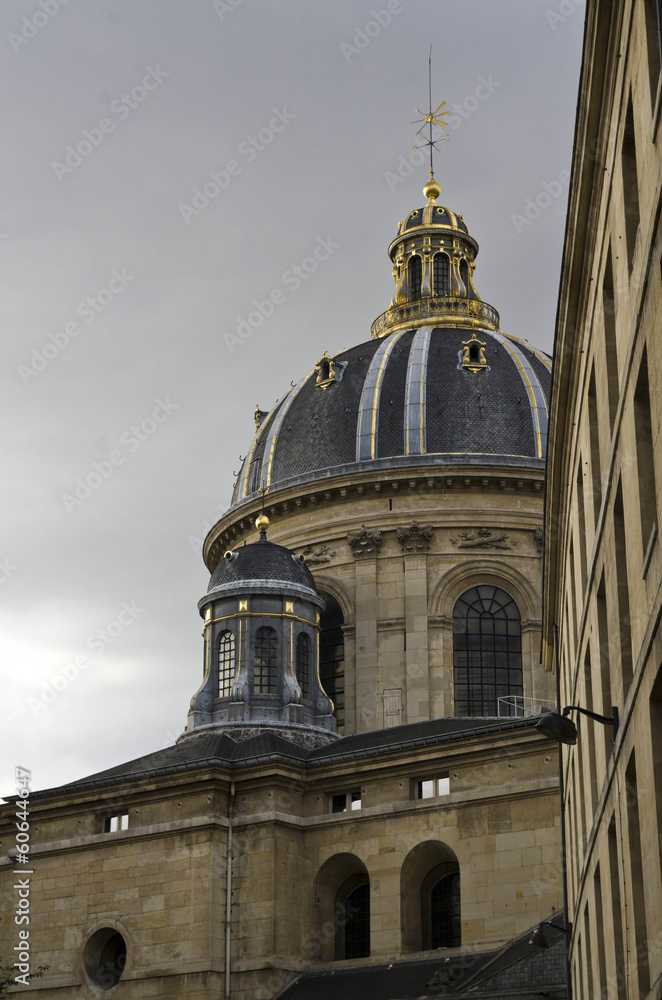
pixel 603 565
pixel 360 785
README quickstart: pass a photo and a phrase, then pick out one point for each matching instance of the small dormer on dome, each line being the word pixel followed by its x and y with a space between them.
pixel 261 618
pixel 433 259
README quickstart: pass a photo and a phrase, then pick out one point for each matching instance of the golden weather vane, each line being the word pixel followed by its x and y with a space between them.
pixel 431 119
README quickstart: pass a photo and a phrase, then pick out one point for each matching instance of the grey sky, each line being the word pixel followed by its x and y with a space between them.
pixel 331 121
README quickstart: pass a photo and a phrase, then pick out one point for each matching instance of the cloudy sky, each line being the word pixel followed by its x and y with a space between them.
pixel 127 268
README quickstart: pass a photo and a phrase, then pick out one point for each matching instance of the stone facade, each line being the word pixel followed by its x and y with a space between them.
pixel 604 566
pixel 398 604
pixel 162 882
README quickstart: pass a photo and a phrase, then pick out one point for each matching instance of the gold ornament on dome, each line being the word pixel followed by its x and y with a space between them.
pixel 328 370
pixel 473 357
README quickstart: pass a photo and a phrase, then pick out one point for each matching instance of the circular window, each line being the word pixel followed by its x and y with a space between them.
pixel 105 957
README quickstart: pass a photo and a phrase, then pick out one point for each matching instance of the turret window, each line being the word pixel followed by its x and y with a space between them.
pixel 332 657
pixel 265 673
pixel 464 275
pixel 487 651
pixel 415 271
pixel 303 662
pixel 442 284
pixel 226 650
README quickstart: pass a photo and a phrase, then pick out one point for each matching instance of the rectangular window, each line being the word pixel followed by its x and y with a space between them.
pixel 581 525
pixel 346 802
pixel 596 464
pixel 600 931
pixel 588 731
pixel 617 917
pixel 623 590
pixel 114 823
pixel 611 354
pixel 645 467
pixel 430 788
pixel 655 708
pixel 630 183
pixel 605 664
pixel 653 12
pixel 637 876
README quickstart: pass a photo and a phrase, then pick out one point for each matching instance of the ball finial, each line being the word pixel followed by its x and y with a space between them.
pixel 432 190
pixel 262 523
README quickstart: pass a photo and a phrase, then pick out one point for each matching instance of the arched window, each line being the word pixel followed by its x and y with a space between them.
pixel 265 670
pixel 442 284
pixel 353 914
pixel 341 916
pixel 440 905
pixel 332 657
pixel 415 272
pixel 487 651
pixel 464 275
pixel 303 662
pixel 430 898
pixel 225 664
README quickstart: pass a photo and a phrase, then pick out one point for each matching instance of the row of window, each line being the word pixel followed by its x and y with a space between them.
pixel 440 276
pixel 487 655
pixel 430 902
pixel 265 662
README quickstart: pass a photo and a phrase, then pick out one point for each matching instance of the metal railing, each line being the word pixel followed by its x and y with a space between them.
pixel 456 311
pixel 518 707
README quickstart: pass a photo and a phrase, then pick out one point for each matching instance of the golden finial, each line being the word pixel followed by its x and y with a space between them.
pixel 262 522
pixel 432 190
pixel 432 118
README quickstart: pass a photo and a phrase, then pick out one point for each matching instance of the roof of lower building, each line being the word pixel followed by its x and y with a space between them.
pixel 518 971
pixel 206 748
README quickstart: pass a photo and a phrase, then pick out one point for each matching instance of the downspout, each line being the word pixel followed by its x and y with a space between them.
pixel 228 895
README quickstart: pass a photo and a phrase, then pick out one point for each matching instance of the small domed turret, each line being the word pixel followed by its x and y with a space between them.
pixel 261 618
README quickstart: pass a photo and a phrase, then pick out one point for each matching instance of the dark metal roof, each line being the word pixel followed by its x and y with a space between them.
pixel 518 971
pixel 411 388
pixel 440 216
pixel 211 748
pixel 261 561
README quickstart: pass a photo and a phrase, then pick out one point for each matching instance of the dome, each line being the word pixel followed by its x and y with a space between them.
pixel 261 563
pixel 432 395
pixel 433 215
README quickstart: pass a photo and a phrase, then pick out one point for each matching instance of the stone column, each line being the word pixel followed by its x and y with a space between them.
pixel 414 541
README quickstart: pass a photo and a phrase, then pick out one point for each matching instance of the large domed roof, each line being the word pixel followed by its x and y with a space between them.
pixel 424 396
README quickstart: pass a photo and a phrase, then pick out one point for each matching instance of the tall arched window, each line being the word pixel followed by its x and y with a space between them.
pixel 464 275
pixel 226 664
pixel 415 272
pixel 332 657
pixel 265 670
pixel 441 912
pixel 353 913
pixel 303 662
pixel 442 283
pixel 487 651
